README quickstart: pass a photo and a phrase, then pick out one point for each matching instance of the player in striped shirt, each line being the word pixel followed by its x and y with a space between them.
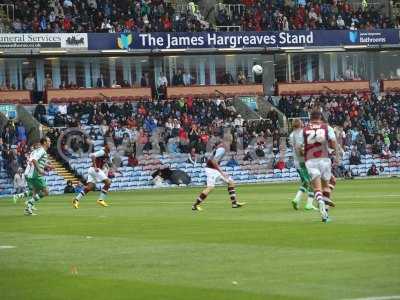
pixel 36 168
pixel 296 141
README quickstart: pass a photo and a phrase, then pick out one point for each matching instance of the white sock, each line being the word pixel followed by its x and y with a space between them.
pixel 310 200
pixel 322 209
pixel 299 195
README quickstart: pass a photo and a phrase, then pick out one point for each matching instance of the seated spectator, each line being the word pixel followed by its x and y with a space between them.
pixel 355 158
pixel 69 188
pixel 373 171
pixel 19 181
pixel 260 150
pixel 115 85
pixel 232 162
pixel 280 165
pixel 247 156
pixel 193 157
pixel 132 161
pixel 227 79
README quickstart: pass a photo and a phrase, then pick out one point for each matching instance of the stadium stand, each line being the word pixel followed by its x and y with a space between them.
pixel 133 128
pixel 155 16
pixel 161 134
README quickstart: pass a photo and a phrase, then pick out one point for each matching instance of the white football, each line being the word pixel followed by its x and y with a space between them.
pixel 257 69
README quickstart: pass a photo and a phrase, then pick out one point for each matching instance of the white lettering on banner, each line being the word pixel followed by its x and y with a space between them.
pixel 372 38
pixel 149 40
pixel 285 38
pixel 184 41
pixel 232 41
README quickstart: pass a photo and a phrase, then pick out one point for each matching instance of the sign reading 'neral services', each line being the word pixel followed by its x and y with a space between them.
pixel 269 39
pixel 44 40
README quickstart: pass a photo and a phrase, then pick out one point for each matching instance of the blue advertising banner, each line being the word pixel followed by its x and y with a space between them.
pixel 204 40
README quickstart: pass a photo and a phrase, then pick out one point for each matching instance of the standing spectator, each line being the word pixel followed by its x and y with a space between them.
pixel 162 80
pixel 40 112
pixel 48 82
pixel 100 81
pixel 19 182
pixel 187 78
pixel 241 78
pixel 30 83
pixel 21 133
pixel 144 81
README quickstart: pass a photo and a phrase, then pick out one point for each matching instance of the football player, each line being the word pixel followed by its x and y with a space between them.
pixel 296 141
pixel 215 174
pixel 97 173
pixel 318 138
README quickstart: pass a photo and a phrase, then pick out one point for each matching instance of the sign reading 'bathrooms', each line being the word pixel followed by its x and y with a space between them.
pixel 265 39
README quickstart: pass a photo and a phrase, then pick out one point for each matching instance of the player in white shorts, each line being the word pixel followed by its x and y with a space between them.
pixel 318 138
pixel 214 175
pixel 96 174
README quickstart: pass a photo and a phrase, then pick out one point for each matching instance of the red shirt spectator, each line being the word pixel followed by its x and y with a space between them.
pixel 130 24
pixel 167 24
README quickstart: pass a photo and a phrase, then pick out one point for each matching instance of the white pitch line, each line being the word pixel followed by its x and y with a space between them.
pixel 378 298
pixel 6 247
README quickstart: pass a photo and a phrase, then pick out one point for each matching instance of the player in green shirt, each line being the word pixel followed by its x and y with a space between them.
pixel 296 141
pixel 36 167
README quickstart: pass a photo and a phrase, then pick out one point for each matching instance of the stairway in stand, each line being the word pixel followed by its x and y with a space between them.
pixel 62 171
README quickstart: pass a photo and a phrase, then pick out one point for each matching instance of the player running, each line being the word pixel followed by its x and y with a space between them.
pixel 318 138
pixel 296 141
pixel 36 167
pixel 96 174
pixel 215 174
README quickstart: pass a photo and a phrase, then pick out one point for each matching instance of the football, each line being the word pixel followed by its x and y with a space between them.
pixel 257 69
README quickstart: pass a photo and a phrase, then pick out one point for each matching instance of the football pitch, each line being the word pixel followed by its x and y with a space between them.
pixel 148 244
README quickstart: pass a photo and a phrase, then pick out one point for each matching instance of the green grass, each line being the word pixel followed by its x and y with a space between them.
pixel 150 245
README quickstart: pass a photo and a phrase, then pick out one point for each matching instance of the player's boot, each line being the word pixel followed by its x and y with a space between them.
pixel 295 204
pixel 33 208
pixel 102 203
pixel 197 207
pixel 238 204
pixel 29 212
pixel 329 202
pixel 75 204
pixel 323 211
pixel 326 220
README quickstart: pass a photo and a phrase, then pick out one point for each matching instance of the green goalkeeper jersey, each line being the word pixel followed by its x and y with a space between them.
pixel 40 155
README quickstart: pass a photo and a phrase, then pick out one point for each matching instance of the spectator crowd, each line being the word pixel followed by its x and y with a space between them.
pixel 159 15
pixel 172 126
pixel 13 147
